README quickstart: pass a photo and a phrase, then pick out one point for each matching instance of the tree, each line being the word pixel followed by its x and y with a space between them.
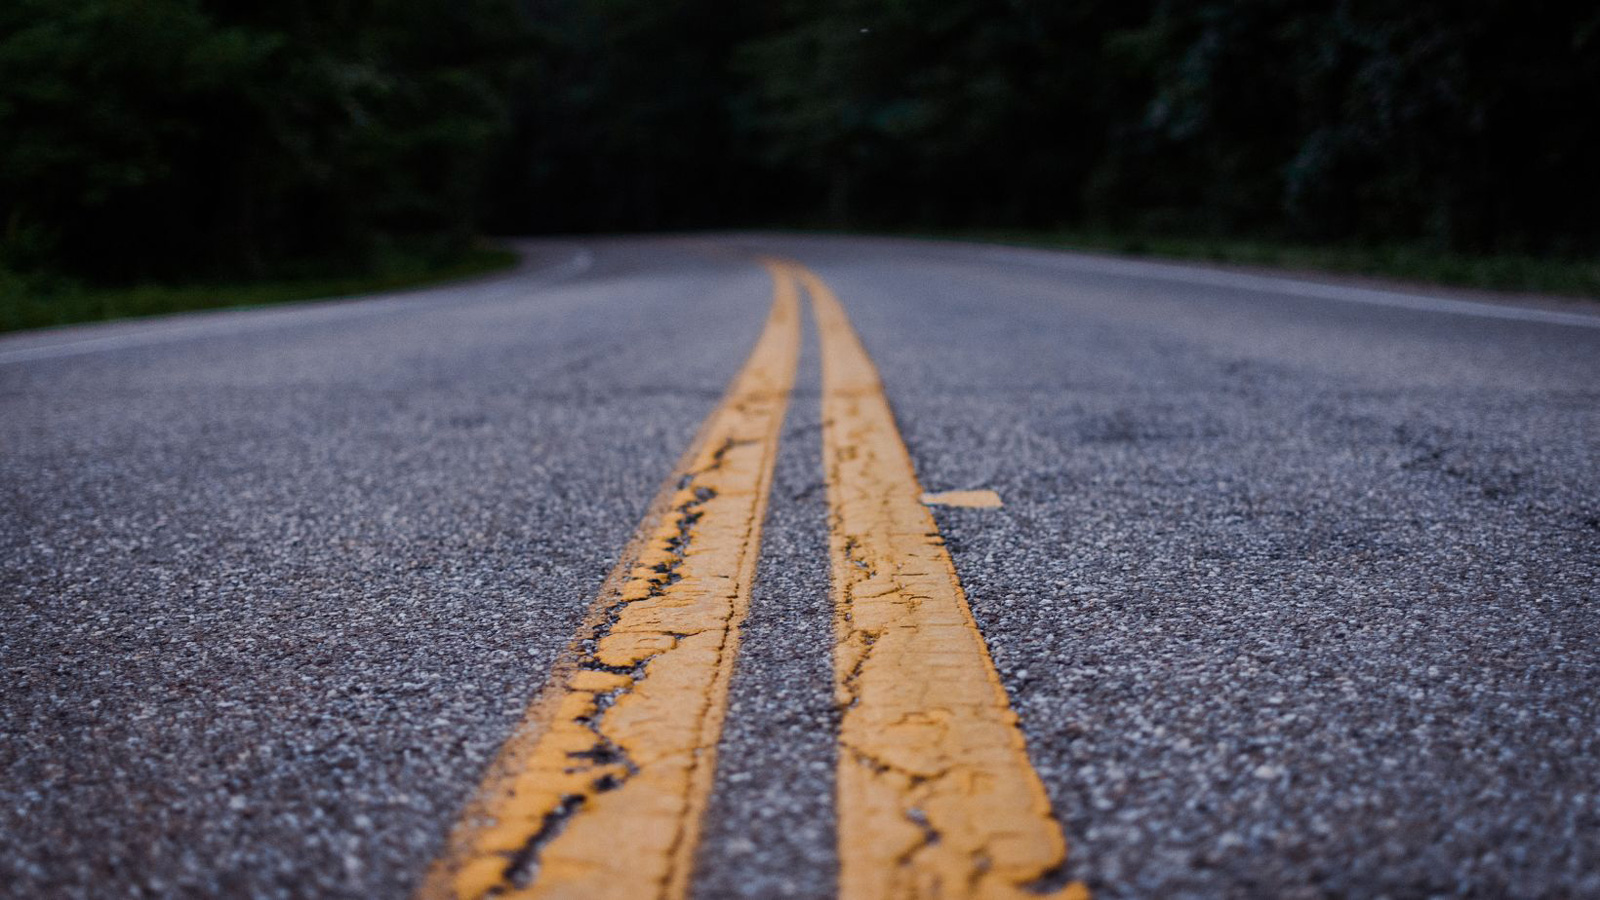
pixel 175 137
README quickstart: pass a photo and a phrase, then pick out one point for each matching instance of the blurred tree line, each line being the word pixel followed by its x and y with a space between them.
pixel 217 138
pixel 175 137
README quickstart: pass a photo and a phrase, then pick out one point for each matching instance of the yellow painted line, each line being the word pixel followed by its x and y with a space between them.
pixel 601 794
pixel 973 499
pixel 936 797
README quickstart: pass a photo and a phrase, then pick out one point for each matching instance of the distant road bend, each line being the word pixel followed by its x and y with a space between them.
pixel 774 566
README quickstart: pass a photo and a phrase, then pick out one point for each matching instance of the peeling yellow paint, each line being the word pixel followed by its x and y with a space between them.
pixel 973 499
pixel 936 797
pixel 601 793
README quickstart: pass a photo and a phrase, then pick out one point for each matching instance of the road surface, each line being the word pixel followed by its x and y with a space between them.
pixel 618 567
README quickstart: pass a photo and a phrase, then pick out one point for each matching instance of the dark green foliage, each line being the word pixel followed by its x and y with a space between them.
pixel 625 118
pixel 184 139
pixel 181 137
pixel 1465 127
pixel 936 112
pixel 41 301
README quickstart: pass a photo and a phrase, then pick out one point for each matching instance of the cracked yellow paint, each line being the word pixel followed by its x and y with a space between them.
pixel 973 499
pixel 936 797
pixel 602 793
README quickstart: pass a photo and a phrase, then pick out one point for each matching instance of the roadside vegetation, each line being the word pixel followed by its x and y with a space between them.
pixel 161 155
pixel 44 301
pixel 248 142
pixel 1434 131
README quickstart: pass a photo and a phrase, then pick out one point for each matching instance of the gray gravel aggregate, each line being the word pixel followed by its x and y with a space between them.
pixel 273 598
pixel 769 831
pixel 1295 597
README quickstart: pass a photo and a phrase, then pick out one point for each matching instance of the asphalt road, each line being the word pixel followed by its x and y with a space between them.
pixel 1294 587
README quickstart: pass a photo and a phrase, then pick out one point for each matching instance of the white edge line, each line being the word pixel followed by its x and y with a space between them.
pixel 1267 284
pixel 217 323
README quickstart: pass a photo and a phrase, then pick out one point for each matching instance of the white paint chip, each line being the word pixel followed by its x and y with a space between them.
pixel 974 499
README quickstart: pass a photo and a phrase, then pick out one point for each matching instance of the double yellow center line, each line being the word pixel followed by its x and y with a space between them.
pixel 601 792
